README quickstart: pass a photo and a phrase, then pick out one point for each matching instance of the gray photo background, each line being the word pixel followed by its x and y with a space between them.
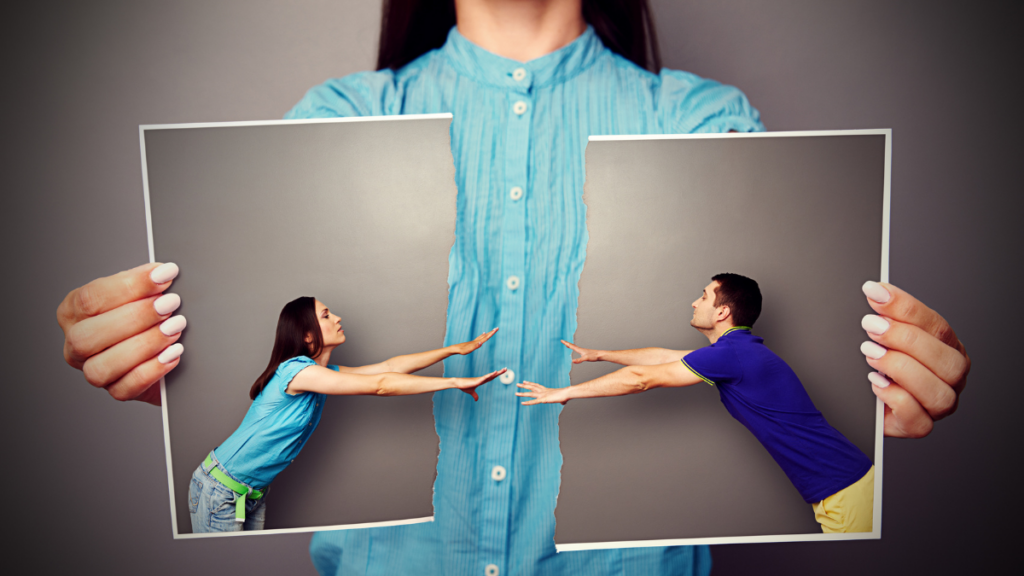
pixel 803 217
pixel 81 78
pixel 360 215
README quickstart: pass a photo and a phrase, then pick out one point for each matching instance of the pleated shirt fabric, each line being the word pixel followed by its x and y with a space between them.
pixel 518 136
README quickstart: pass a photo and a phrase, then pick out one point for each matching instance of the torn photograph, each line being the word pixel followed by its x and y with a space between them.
pixel 720 386
pixel 313 260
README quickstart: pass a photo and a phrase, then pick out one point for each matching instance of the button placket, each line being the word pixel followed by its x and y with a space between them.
pixel 502 410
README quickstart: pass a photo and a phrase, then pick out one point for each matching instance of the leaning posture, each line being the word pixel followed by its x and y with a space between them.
pixel 758 388
pixel 228 490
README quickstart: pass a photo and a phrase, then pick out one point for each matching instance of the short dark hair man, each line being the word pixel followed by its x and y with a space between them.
pixel 758 388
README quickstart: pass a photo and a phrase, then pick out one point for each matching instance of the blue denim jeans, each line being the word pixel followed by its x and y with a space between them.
pixel 212 505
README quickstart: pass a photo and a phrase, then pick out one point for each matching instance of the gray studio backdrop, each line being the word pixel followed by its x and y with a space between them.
pixel 359 214
pixel 82 76
pixel 802 215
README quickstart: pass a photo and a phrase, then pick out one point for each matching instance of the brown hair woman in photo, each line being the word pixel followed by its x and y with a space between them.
pixel 228 490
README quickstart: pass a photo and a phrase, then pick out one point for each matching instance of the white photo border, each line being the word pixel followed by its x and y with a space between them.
pixel 143 128
pixel 876 527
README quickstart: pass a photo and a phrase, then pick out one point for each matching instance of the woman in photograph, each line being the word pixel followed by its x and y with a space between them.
pixel 228 490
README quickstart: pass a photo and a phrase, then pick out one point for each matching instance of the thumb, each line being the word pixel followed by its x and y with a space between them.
pixel 905 417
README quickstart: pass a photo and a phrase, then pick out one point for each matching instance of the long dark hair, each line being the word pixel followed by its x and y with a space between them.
pixel 296 322
pixel 411 28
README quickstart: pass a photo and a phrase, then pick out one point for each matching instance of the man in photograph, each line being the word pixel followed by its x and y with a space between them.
pixel 758 388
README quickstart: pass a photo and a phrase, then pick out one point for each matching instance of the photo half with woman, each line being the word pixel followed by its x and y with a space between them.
pixel 360 216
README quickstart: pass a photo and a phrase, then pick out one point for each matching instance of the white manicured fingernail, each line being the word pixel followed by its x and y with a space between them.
pixel 173 325
pixel 878 380
pixel 874 324
pixel 876 292
pixel 166 304
pixel 872 350
pixel 164 273
pixel 170 353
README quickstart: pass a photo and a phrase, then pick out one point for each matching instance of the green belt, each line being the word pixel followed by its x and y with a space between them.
pixel 241 489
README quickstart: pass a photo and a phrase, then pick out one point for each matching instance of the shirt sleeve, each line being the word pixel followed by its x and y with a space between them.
pixel 693 105
pixel 287 371
pixel 360 94
pixel 713 364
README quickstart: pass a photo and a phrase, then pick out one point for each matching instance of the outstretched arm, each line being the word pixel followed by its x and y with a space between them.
pixel 628 380
pixel 636 357
pixel 409 363
pixel 326 381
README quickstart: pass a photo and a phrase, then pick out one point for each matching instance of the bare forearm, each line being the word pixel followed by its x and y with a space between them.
pixel 628 380
pixel 398 384
pixel 641 356
pixel 633 380
pixel 323 381
pixel 409 363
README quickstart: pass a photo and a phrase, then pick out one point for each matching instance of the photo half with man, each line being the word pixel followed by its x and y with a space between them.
pixel 718 388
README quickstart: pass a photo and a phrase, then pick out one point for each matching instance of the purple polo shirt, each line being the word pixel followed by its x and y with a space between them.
pixel 761 391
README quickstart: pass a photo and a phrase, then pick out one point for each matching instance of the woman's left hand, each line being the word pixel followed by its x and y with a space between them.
pixel 474 344
pixel 922 365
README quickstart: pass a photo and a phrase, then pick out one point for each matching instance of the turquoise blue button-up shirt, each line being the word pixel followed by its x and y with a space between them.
pixel 275 428
pixel 518 136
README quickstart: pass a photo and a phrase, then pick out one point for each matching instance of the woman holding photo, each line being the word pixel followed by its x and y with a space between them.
pixel 228 490
pixel 527 81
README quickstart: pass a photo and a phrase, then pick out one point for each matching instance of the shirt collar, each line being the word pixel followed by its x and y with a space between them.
pixel 734 329
pixel 489 68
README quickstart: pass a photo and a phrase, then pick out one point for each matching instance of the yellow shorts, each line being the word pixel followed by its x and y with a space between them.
pixel 850 509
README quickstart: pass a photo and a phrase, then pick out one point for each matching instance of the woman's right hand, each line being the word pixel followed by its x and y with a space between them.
pixel 469 385
pixel 120 333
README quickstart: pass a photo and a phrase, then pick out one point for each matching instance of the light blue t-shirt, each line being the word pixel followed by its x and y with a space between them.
pixel 275 428
pixel 518 136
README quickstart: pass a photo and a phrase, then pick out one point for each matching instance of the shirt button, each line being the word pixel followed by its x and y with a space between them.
pixel 515 193
pixel 507 377
pixel 498 473
pixel 519 107
pixel 518 74
pixel 512 282
pixel 491 570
